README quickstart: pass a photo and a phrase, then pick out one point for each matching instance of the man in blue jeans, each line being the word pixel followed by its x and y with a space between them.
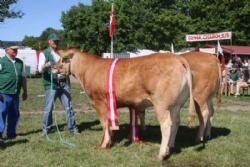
pixel 56 86
pixel 12 79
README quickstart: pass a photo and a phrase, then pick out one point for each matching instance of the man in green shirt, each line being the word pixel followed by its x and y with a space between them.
pixel 12 78
pixel 55 86
pixel 234 76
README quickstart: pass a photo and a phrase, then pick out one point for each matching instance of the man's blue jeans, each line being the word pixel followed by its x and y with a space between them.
pixel 63 93
pixel 9 107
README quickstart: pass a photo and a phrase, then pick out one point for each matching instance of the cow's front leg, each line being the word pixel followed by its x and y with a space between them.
pixel 106 135
pixel 106 138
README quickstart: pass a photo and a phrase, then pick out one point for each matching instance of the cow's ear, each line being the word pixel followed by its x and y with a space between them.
pixel 66 60
pixel 66 53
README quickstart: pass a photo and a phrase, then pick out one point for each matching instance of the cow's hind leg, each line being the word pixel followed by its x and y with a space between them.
pixel 175 116
pixel 164 119
pixel 210 117
pixel 203 113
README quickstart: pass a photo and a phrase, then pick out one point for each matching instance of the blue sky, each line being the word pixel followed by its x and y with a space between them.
pixel 38 15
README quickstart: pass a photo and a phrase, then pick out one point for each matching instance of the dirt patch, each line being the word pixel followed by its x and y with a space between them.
pixel 235 106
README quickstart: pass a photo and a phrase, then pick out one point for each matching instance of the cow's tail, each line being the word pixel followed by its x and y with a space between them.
pixel 219 84
pixel 191 110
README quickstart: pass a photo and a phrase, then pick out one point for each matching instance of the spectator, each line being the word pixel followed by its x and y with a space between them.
pixel 225 79
pixel 243 81
pixel 229 64
pixel 12 79
pixel 237 61
pixel 234 76
pixel 245 63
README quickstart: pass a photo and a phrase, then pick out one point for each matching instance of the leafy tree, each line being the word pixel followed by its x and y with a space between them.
pixel 41 42
pixel 153 24
pixel 32 42
pixel 6 12
pixel 211 16
pixel 86 27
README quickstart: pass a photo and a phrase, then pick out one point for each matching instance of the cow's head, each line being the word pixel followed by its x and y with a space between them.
pixel 63 65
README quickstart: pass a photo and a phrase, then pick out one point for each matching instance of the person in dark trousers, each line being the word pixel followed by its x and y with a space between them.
pixel 56 86
pixel 12 79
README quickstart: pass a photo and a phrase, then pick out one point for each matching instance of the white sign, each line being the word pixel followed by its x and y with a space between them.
pixel 207 50
pixel 208 37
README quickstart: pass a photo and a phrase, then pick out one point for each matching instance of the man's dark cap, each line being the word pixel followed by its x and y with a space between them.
pixel 53 37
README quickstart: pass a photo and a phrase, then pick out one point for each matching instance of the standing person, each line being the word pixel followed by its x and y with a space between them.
pixel 243 81
pixel 12 78
pixel 55 85
pixel 234 76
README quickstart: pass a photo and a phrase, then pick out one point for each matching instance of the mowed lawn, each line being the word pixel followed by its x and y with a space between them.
pixel 229 146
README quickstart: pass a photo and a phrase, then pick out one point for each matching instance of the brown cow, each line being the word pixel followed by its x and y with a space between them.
pixel 206 78
pixel 206 75
pixel 159 80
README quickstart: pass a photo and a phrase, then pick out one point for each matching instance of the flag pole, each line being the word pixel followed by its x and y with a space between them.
pixel 217 53
pixel 111 55
pixel 172 48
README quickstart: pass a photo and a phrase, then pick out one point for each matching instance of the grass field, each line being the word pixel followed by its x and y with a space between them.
pixel 229 146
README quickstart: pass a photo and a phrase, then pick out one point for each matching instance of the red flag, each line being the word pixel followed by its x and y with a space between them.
pixel 111 22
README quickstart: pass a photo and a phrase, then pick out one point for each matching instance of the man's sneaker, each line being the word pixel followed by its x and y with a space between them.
pixel 44 133
pixel 74 131
pixel 236 95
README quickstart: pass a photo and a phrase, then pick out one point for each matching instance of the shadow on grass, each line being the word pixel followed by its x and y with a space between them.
pixel 29 132
pixel 185 136
pixel 60 127
pixel 81 127
pixel 88 126
pixel 14 142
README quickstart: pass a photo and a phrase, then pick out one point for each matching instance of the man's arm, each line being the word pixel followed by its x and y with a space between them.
pixel 42 66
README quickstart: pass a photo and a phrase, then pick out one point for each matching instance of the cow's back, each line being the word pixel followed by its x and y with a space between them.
pixel 205 72
pixel 139 81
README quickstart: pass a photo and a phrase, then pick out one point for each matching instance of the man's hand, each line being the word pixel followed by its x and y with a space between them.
pixel 24 96
pixel 48 65
pixel 55 71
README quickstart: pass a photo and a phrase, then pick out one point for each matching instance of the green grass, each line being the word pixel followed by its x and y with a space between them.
pixel 229 146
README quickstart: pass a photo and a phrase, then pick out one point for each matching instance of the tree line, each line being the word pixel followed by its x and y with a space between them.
pixel 148 24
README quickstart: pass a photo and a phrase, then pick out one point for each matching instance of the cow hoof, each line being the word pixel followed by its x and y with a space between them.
pixel 163 157
pixel 106 145
pixel 208 137
pixel 199 140
pixel 138 141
